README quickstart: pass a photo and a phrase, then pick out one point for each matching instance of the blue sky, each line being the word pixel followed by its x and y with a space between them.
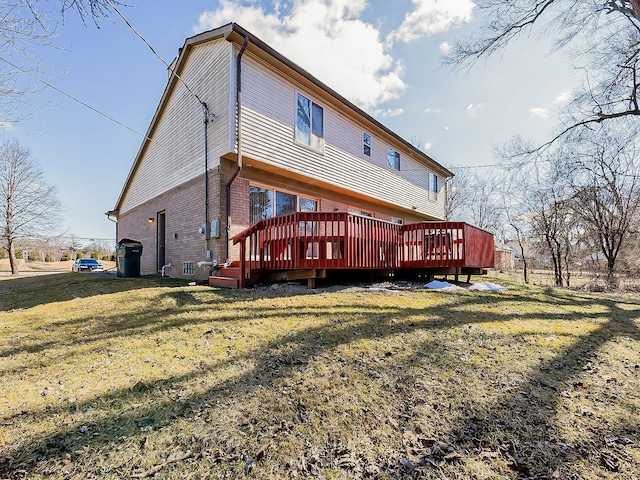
pixel 384 56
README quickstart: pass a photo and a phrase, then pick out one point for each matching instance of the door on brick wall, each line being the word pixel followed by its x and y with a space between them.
pixel 161 240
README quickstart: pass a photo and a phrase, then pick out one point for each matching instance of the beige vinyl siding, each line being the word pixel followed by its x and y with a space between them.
pixel 175 153
pixel 269 116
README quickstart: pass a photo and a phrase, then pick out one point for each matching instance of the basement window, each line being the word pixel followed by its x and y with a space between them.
pixel 188 268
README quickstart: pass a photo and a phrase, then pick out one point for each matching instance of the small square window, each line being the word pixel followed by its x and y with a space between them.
pixel 188 268
pixel 366 144
pixel 393 158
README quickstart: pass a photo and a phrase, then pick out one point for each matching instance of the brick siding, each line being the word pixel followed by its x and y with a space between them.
pixel 184 209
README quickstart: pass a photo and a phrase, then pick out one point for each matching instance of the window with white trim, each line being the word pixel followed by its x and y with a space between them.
pixel 393 158
pixel 433 186
pixel 366 144
pixel 309 123
pixel 397 221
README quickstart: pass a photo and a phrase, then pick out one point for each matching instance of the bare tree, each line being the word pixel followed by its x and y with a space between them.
pixel 604 39
pixel 26 24
pixel 535 195
pixel 519 227
pixel 585 191
pixel 605 178
pixel 29 206
pixel 484 205
pixel 457 192
pixel 553 223
pixel 521 187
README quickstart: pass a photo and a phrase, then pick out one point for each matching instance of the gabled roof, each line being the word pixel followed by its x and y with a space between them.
pixel 234 33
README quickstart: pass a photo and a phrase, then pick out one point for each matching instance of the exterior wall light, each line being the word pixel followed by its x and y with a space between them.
pixel 151 220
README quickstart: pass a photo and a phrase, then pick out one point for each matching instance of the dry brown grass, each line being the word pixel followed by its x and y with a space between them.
pixel 595 280
pixel 122 378
pixel 26 267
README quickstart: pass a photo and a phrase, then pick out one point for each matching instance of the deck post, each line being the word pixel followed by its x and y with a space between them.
pixel 243 266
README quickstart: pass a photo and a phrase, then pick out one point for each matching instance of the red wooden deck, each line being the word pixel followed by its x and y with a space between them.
pixel 343 241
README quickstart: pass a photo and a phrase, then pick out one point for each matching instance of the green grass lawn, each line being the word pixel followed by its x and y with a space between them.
pixel 133 378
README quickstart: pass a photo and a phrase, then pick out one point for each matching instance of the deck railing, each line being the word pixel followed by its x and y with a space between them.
pixel 341 240
pixel 446 244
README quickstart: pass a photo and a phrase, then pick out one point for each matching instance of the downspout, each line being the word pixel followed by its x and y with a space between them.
pixel 238 137
pixel 113 213
pixel 446 199
pixel 205 110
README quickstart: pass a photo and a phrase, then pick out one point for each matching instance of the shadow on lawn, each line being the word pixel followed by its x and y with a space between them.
pixel 157 317
pixel 496 428
pixel 28 292
pixel 523 426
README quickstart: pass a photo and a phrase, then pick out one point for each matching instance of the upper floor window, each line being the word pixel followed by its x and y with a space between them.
pixel 366 144
pixel 397 221
pixel 309 123
pixel 393 158
pixel 433 186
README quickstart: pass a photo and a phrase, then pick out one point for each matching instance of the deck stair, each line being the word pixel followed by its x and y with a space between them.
pixel 229 277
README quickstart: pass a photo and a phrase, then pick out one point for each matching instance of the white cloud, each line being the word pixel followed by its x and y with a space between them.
pixel 445 47
pixel 474 108
pixel 563 97
pixel 432 110
pixel 432 16
pixel 388 112
pixel 539 112
pixel 326 38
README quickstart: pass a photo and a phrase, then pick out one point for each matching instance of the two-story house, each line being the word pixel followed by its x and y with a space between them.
pixel 242 134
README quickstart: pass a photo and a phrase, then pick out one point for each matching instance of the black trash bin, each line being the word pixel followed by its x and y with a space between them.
pixel 128 254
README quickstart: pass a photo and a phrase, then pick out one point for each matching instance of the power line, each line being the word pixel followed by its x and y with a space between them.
pixel 44 82
pixel 464 167
pixel 141 37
